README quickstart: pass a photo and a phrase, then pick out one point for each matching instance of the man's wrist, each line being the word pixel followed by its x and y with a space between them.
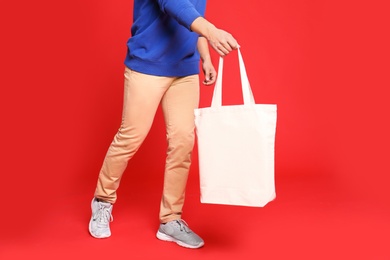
pixel 206 58
pixel 202 27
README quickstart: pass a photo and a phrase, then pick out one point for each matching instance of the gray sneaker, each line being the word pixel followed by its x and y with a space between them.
pixel 179 232
pixel 99 225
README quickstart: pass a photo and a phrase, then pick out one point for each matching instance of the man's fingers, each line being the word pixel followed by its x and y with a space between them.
pixel 210 77
pixel 227 46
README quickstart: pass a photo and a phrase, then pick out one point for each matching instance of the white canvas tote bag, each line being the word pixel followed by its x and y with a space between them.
pixel 236 148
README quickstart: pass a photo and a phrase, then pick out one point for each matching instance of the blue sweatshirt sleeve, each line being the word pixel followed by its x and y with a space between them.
pixel 182 11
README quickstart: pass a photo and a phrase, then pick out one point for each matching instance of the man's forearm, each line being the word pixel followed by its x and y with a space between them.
pixel 203 48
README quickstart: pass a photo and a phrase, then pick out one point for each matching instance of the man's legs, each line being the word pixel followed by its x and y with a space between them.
pixel 142 96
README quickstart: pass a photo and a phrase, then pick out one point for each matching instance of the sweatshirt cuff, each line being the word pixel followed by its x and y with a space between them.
pixel 187 16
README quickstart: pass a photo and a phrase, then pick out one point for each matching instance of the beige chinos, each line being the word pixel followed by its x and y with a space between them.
pixel 143 93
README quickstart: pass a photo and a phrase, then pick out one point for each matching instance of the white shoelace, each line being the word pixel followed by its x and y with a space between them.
pixel 103 214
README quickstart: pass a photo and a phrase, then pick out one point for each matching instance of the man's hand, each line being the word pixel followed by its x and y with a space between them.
pixel 221 41
pixel 210 74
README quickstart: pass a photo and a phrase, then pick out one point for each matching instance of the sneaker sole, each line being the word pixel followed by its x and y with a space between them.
pixel 165 237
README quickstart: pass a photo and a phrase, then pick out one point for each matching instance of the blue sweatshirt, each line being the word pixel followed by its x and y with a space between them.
pixel 161 41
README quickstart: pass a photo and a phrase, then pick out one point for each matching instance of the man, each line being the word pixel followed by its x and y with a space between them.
pixel 162 66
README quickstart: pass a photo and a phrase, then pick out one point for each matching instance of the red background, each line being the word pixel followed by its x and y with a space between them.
pixel 324 63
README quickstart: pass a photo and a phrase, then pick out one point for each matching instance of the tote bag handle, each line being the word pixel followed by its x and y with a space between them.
pixel 246 89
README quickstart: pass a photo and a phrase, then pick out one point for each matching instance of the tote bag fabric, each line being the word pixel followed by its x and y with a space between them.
pixel 236 148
